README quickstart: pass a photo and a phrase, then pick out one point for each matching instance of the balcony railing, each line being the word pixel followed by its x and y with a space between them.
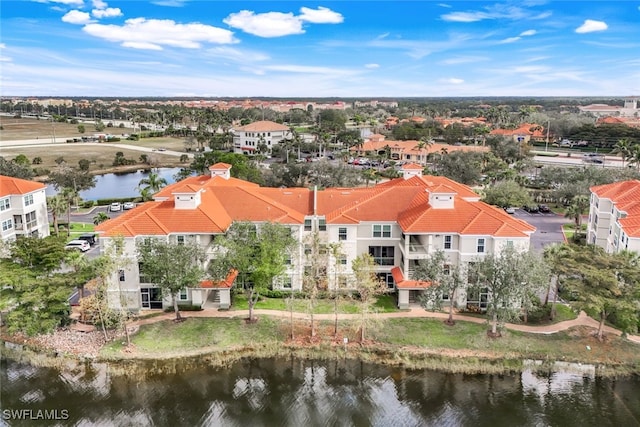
pixel 383 260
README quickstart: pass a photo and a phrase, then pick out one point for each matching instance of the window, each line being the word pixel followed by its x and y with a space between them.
pixel 307 250
pixel 28 200
pixel 480 246
pixel 386 278
pixel 5 204
pixel 183 295
pixel 322 224
pixel 446 269
pixel 447 242
pixel 121 275
pixel 342 259
pixel 30 219
pixel 342 233
pixel 382 255
pixel 307 224
pixel 382 230
pixel 141 276
pixel 7 225
pixel 180 240
pixel 287 259
pixel 286 282
pixel 472 274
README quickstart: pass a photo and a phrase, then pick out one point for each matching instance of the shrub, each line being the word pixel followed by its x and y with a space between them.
pixel 184 307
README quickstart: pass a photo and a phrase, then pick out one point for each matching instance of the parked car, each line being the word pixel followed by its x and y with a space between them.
pixel 78 245
pixel 90 238
pixel 544 208
pixel 128 205
pixel 115 207
pixel 510 210
pixel 530 208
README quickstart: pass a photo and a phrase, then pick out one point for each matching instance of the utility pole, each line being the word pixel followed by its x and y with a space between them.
pixel 546 146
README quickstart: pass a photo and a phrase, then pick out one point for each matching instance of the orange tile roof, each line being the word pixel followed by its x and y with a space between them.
pixel 401 283
pixel 411 147
pixel 14 186
pixel 405 201
pixel 226 283
pixel 263 126
pixel 220 165
pixel 412 166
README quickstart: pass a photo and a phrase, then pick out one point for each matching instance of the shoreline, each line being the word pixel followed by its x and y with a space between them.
pixel 132 361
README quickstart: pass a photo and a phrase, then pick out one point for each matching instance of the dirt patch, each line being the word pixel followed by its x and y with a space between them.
pixel 30 128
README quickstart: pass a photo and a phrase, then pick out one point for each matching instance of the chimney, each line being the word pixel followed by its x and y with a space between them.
pixel 222 170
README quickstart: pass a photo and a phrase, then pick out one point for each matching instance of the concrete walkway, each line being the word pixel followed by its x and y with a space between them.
pixel 414 312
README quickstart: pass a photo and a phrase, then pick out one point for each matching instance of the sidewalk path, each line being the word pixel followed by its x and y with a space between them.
pixel 414 312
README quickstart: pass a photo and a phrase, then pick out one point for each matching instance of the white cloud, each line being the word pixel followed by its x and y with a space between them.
pixel 453 81
pixel 109 12
pixel 99 4
pixel 528 33
pixel 278 24
pixel 270 24
pixel 236 55
pixel 463 60
pixel 3 46
pixel 142 33
pixel 77 17
pixel 306 69
pixel 322 15
pixel 496 11
pixel 590 26
pixel 372 66
pixel 142 45
pixel 509 40
pixel 170 3
pixel 77 3
pixel 448 6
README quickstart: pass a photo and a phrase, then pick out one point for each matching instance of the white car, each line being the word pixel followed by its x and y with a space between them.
pixel 79 245
pixel 510 210
pixel 115 207
pixel 128 205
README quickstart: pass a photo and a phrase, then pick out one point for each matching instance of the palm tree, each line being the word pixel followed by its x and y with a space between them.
pixel 634 156
pixel 423 145
pixel 100 218
pixel 57 205
pixel 152 184
pixel 624 148
pixel 576 209
pixel 69 195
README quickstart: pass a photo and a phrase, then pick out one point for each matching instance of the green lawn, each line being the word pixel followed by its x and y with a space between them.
pixel 384 304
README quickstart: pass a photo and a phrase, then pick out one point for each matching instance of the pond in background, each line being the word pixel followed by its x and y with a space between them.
pixel 296 392
pixel 119 185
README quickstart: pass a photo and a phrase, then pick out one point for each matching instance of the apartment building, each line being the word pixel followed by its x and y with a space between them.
pixel 23 208
pixel 397 222
pixel 614 216
pixel 262 134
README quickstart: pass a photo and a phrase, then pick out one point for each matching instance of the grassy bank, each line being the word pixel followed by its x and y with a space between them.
pixel 384 304
pixel 411 342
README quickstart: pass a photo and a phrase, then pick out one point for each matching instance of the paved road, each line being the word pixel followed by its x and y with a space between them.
pixel 548 228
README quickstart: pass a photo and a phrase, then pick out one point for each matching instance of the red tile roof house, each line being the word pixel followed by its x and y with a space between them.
pixel 614 216
pixel 23 208
pixel 397 222
pixel 246 139
pixel 523 133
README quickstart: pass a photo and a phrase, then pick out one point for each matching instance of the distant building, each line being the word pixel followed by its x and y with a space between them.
pixel 247 139
pixel 614 216
pixel 630 109
pixel 23 209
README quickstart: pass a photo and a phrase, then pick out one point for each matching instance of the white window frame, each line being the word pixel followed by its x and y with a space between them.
pixel 322 224
pixel 121 275
pixel 483 246
pixel 342 233
pixel 447 242
pixel 7 224
pixel 5 204
pixel 183 295
pixel 383 230
pixel 28 200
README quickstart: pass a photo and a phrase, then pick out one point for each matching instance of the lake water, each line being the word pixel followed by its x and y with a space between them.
pixel 294 392
pixel 121 185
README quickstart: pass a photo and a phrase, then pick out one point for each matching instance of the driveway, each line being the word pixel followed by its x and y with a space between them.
pixel 548 227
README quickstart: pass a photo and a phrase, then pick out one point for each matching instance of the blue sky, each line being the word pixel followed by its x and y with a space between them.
pixel 319 49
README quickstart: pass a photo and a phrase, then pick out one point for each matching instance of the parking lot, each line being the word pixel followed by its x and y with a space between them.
pixel 548 227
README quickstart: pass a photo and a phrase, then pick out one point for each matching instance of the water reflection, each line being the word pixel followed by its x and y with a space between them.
pixel 294 392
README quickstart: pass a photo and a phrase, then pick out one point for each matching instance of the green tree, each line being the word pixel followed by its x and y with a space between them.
pixel 22 160
pixel 259 256
pixel 575 211
pixel 84 164
pixel 57 205
pixel 507 193
pixel 445 280
pixel 81 129
pixel 508 278
pixel 368 286
pixel 152 183
pixel 100 217
pixel 603 284
pixel 171 266
pixel 9 168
